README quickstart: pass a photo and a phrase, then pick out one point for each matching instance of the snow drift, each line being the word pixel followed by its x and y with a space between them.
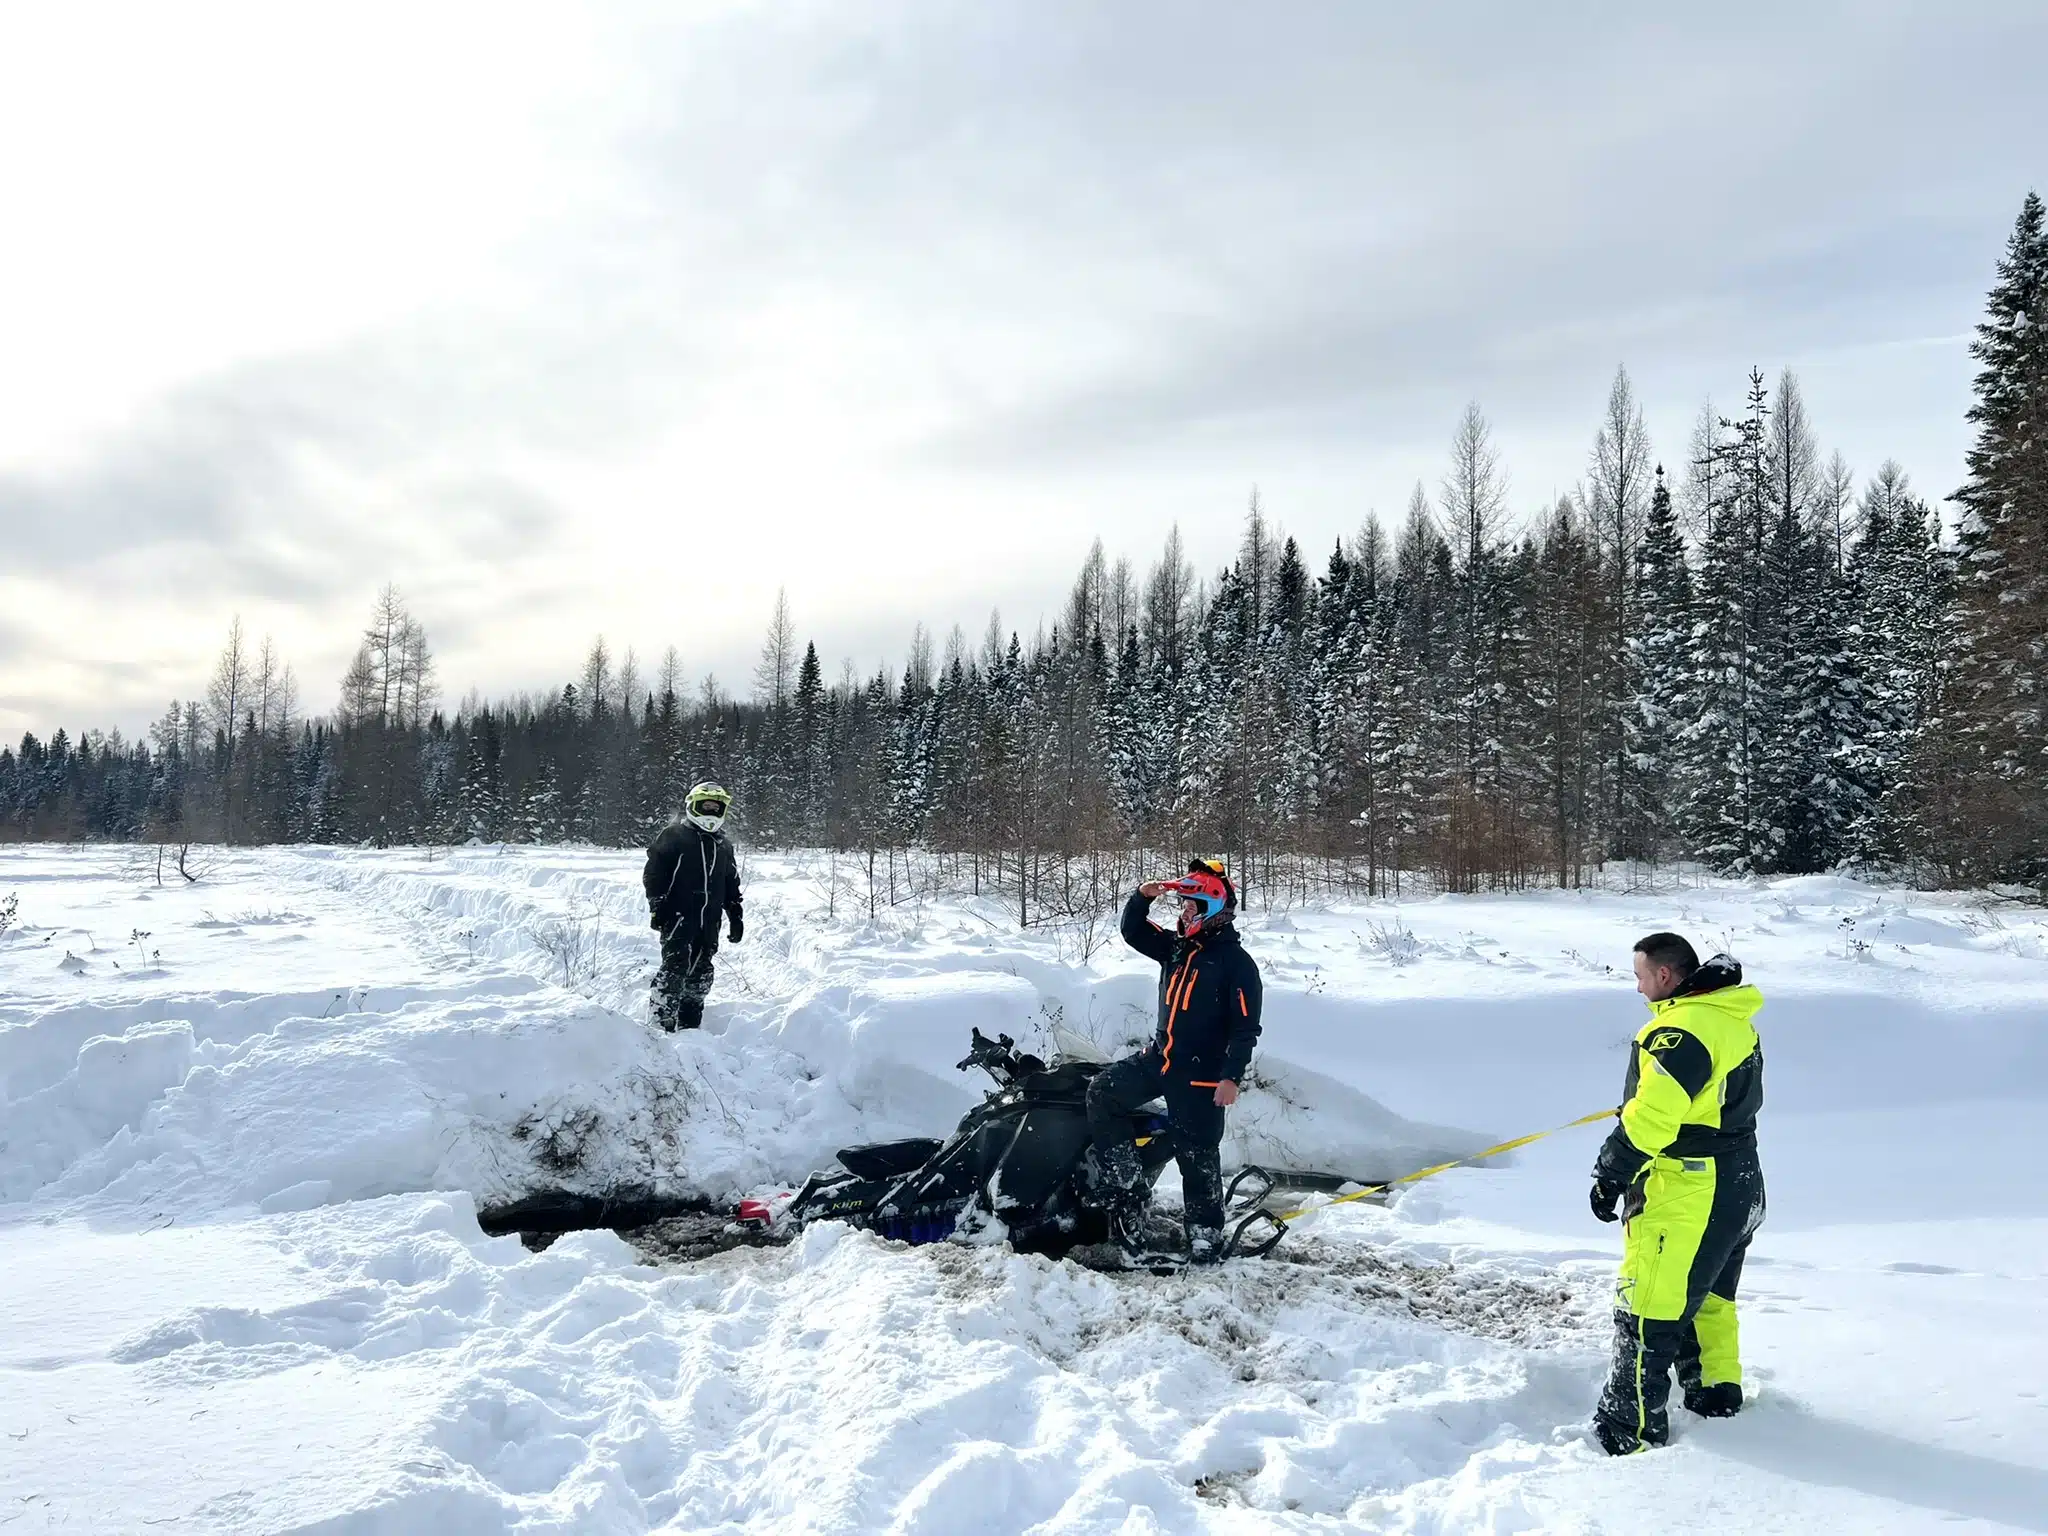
pixel 247 1289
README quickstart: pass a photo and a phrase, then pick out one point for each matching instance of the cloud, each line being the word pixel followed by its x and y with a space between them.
pixel 899 306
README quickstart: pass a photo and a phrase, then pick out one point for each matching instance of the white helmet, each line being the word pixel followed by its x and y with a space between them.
pixel 706 806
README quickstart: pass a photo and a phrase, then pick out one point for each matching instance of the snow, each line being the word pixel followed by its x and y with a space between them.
pixel 246 1125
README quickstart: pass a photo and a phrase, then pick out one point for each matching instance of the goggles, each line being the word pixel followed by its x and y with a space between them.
pixel 1206 891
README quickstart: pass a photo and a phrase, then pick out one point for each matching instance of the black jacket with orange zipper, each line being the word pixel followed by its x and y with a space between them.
pixel 1209 996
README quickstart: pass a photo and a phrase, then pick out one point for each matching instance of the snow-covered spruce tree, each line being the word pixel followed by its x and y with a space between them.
pixel 1370 704
pixel 1814 754
pixel 1215 759
pixel 1781 625
pixel 1417 733
pixel 1663 702
pixel 809 750
pixel 1998 709
pixel 1722 812
pixel 1563 726
pixel 909 762
pixel 1326 670
pixel 1900 576
pixel 1121 738
pixel 1287 772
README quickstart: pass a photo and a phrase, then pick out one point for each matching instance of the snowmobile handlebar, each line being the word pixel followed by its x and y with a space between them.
pixel 999 1058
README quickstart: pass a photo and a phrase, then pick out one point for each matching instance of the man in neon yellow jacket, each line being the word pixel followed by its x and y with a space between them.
pixel 1682 1171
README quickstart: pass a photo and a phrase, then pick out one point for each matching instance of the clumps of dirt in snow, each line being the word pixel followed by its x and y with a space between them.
pixel 1232 1310
pixel 1479 1299
pixel 635 1138
pixel 696 1236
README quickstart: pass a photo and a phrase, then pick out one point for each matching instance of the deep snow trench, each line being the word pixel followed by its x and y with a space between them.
pixel 246 1125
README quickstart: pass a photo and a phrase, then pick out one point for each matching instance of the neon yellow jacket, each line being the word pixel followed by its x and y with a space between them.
pixel 1695 1076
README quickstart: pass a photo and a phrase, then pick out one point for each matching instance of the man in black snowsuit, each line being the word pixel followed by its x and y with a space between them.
pixel 1209 999
pixel 692 881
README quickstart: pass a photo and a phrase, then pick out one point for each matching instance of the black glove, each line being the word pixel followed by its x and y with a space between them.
pixel 734 927
pixel 1606 1197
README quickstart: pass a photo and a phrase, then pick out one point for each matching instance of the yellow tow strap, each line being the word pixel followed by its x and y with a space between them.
pixel 1456 1162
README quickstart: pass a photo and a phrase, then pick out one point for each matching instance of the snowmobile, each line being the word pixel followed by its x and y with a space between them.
pixel 1022 1157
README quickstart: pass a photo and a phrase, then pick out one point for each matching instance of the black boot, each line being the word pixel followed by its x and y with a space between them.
pixel 1631 1414
pixel 1124 1195
pixel 1614 1441
pixel 1205 1245
pixel 1723 1400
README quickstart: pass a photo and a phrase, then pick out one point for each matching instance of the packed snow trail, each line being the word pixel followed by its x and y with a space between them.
pixel 245 1126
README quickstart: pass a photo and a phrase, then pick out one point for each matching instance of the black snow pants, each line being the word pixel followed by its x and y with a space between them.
pixel 1676 1296
pixel 1196 1119
pixel 684 980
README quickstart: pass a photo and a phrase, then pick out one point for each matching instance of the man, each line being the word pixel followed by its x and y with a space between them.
pixel 1209 997
pixel 1682 1171
pixel 692 880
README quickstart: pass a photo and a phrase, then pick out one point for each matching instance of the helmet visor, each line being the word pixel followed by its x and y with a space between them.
pixel 712 809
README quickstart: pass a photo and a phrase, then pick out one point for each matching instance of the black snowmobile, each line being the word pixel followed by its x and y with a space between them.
pixel 1022 1157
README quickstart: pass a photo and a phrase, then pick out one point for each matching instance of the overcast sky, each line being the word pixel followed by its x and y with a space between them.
pixel 609 320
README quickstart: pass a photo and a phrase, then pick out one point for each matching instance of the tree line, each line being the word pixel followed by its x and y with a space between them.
pixel 1751 662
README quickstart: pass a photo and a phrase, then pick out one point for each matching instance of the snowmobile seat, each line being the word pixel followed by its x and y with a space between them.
pixel 889 1159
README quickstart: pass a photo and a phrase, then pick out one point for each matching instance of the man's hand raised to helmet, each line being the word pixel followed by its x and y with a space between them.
pixel 1151 889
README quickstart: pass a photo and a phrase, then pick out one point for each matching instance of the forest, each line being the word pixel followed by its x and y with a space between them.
pixel 1745 659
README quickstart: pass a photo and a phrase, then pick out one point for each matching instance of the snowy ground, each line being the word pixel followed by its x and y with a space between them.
pixel 245 1127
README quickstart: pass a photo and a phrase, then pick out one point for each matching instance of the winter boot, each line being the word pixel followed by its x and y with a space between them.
pixel 1616 1441
pixel 1723 1400
pixel 1631 1414
pixel 1124 1195
pixel 1205 1245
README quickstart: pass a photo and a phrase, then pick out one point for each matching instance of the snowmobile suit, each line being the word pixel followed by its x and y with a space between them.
pixel 1209 1004
pixel 1209 997
pixel 1693 1195
pixel 692 880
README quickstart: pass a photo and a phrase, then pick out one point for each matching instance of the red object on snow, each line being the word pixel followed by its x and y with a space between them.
pixel 756 1211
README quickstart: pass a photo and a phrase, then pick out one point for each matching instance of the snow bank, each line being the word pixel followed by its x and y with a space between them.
pixel 842 1384
pixel 247 1292
pixel 532 1067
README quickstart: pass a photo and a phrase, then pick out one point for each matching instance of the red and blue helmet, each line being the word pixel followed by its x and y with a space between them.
pixel 1206 887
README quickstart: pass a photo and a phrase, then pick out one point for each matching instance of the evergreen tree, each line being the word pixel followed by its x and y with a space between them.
pixel 1900 585
pixel 1723 810
pixel 1663 703
pixel 1998 709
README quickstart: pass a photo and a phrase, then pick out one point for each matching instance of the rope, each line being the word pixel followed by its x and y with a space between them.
pixel 1456 1162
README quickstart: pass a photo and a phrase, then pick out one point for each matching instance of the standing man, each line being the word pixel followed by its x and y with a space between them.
pixel 692 880
pixel 1209 997
pixel 1682 1169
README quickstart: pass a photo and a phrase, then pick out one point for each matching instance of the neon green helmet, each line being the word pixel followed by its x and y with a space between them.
pixel 706 805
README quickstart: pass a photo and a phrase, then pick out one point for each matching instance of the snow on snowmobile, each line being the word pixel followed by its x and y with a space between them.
pixel 1023 1157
